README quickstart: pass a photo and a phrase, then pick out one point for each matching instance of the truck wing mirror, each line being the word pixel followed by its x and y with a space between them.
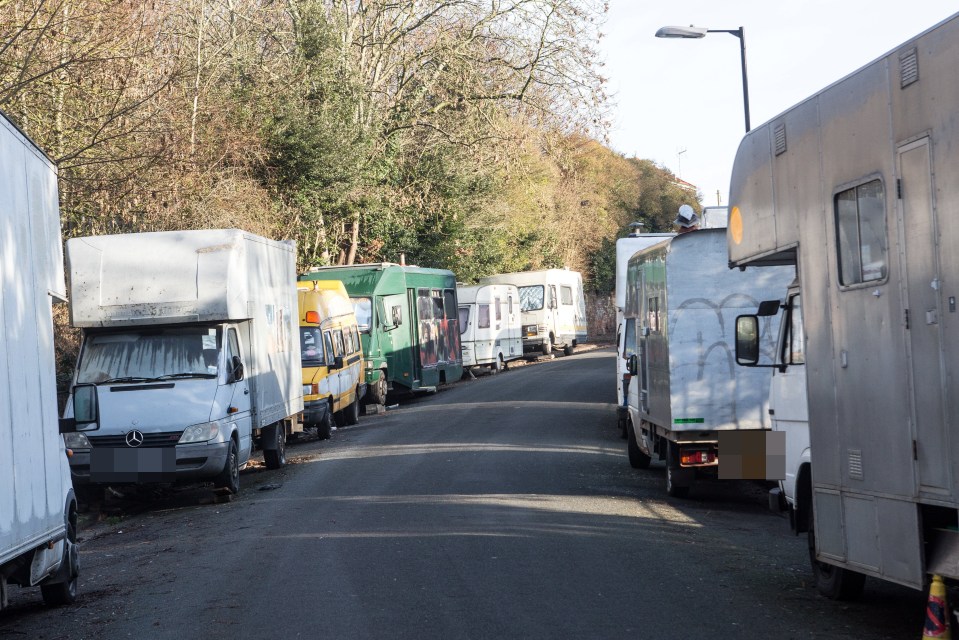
pixel 236 373
pixel 86 410
pixel 632 364
pixel 768 308
pixel 747 340
pixel 337 362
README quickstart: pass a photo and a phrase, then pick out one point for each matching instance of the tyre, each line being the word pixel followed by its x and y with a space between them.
pixel 568 350
pixel 377 390
pixel 229 478
pixel 673 489
pixel 548 347
pixel 497 366
pixel 351 414
pixel 62 593
pixel 833 582
pixel 325 428
pixel 637 459
pixel 276 458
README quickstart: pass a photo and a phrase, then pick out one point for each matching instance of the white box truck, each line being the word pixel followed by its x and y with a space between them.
pixel 686 389
pixel 38 510
pixel 853 188
pixel 552 308
pixel 191 345
pixel 490 325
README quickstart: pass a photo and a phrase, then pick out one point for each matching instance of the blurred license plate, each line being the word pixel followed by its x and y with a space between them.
pixel 132 465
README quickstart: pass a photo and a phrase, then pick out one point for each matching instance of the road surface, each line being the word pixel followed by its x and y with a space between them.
pixel 502 507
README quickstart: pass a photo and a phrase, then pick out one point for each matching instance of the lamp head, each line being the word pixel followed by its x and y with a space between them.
pixel 681 32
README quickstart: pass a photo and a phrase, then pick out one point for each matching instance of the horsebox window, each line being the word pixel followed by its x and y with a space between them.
pixel 566 295
pixel 861 233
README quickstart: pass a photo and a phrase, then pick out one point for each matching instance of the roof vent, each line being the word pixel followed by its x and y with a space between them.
pixel 780 136
pixel 908 68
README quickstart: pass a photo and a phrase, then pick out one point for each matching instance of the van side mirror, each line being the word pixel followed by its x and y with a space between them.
pixel 86 410
pixel 236 373
pixel 632 364
pixel 769 308
pixel 747 340
pixel 337 362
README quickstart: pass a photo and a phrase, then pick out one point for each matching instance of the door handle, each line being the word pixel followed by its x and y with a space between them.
pixel 246 392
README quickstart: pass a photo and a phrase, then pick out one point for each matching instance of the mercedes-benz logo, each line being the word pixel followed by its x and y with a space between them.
pixel 134 438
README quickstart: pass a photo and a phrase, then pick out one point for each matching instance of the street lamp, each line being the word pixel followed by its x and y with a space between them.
pixel 700 32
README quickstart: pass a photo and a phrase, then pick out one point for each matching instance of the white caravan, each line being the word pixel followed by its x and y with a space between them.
pixel 490 325
pixel 553 308
pixel 625 336
pixel 686 393
pixel 190 342
pixel 38 510
pixel 853 187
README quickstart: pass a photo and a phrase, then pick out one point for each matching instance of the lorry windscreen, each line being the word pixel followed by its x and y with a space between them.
pixel 531 298
pixel 311 346
pixel 363 308
pixel 150 354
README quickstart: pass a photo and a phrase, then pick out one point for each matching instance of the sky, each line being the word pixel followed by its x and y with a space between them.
pixel 680 102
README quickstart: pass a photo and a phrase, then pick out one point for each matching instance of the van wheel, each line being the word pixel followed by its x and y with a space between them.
pixel 229 478
pixel 377 390
pixel 61 593
pixel 276 458
pixel 548 347
pixel 637 459
pixel 325 428
pixel 351 415
pixel 673 489
pixel 833 582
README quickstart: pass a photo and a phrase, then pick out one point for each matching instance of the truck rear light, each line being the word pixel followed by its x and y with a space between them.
pixel 697 457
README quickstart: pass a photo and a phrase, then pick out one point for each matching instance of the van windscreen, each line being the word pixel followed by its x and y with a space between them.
pixel 311 346
pixel 531 298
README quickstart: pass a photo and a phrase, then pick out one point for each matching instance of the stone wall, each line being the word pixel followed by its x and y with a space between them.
pixel 601 316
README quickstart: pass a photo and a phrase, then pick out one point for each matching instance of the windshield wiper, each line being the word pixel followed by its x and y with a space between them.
pixel 186 374
pixel 127 379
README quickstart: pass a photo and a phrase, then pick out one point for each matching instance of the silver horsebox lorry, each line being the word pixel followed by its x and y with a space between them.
pixel 190 342
pixel 688 403
pixel 855 189
pixel 38 510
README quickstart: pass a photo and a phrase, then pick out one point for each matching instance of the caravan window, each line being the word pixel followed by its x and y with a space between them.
pixel 566 295
pixel 861 233
pixel 482 316
pixel 464 318
pixel 499 311
pixel 532 298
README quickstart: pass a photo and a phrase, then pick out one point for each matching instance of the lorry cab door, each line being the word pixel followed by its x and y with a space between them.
pixel 241 402
pixel 788 410
pixel 921 281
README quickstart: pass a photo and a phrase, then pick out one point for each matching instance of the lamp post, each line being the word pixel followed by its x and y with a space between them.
pixel 700 32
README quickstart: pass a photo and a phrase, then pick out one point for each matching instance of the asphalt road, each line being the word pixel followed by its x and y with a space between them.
pixel 499 508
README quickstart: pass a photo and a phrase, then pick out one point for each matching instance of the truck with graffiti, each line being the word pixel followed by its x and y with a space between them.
pixel 687 399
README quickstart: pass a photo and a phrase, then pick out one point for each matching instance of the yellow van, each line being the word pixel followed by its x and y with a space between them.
pixel 332 356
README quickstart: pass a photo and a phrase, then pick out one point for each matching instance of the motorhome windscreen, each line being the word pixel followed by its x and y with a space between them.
pixel 532 298
pixel 464 316
pixel 363 308
pixel 311 346
pixel 150 354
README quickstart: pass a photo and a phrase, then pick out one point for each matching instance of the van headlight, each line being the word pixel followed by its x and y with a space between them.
pixel 76 441
pixel 200 433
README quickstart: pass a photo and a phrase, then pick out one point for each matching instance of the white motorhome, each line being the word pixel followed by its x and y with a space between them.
pixel 553 308
pixel 490 325
pixel 38 509
pixel 625 336
pixel 685 390
pixel 853 188
pixel 190 341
